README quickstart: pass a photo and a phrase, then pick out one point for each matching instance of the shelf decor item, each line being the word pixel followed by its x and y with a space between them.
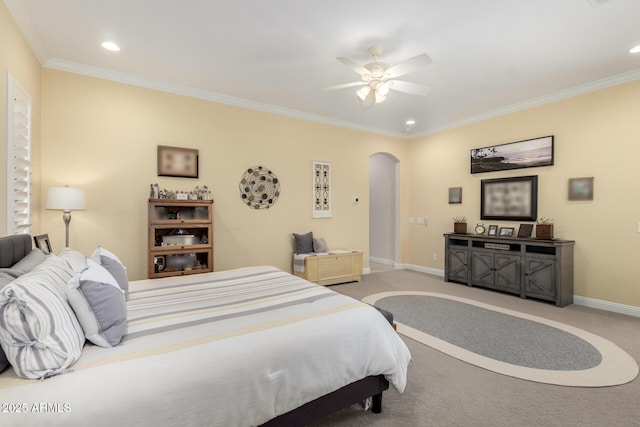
pixel 460 225
pixel 544 228
pixel 525 230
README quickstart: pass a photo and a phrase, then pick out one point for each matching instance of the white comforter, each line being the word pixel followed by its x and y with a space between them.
pixel 232 348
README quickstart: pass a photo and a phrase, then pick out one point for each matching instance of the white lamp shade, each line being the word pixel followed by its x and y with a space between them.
pixel 65 199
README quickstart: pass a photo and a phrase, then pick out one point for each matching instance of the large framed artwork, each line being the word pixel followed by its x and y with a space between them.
pixel 321 203
pixel 514 155
pixel 509 199
pixel 177 161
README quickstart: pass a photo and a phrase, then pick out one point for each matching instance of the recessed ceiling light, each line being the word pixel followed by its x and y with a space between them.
pixel 635 49
pixel 111 46
pixel 410 122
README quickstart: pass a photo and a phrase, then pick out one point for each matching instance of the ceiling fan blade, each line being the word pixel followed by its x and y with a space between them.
pixel 370 100
pixel 408 66
pixel 344 85
pixel 407 87
pixel 355 67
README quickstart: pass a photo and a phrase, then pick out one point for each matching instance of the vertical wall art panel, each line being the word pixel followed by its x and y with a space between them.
pixel 321 190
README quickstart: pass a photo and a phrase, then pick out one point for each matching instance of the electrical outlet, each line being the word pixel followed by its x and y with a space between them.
pixel 435 257
pixel 411 221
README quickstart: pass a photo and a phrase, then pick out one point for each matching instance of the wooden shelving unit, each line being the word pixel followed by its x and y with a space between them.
pixel 180 237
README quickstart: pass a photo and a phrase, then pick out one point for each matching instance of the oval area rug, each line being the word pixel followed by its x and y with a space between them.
pixel 508 342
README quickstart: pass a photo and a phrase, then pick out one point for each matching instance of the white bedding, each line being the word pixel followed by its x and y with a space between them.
pixel 231 348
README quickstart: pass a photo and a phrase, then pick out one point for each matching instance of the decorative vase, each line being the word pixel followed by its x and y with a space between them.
pixel 460 227
pixel 544 231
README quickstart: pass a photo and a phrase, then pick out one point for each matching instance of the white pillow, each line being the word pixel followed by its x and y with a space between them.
pixel 38 330
pixel 99 304
pixel 113 265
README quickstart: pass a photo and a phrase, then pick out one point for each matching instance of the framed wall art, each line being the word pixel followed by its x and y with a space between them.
pixel 321 181
pixel 510 199
pixel 177 162
pixel 455 195
pixel 581 188
pixel 514 155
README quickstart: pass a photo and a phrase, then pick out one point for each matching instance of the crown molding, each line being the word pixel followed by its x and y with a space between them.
pixel 535 102
pixel 119 77
pixel 32 36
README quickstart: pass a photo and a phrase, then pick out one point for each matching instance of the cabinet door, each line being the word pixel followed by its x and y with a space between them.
pixel 457 265
pixel 507 272
pixel 540 277
pixel 482 271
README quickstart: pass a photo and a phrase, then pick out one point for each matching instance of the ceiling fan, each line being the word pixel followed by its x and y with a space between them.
pixel 378 77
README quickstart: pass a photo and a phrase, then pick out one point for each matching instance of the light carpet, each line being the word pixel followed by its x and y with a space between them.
pixel 508 342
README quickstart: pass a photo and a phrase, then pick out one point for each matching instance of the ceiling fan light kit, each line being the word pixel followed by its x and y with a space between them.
pixel 378 77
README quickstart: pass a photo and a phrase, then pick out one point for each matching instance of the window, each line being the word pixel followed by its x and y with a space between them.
pixel 18 159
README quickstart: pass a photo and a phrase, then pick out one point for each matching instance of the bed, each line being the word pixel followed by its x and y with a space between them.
pixel 244 347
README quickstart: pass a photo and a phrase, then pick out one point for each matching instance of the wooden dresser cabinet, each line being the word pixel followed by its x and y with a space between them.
pixel 530 268
pixel 180 237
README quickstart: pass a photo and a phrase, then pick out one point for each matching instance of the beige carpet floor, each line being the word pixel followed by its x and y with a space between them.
pixel 444 391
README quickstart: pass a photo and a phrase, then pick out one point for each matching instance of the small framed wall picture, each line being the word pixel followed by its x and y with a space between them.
pixel 506 231
pixel 42 243
pixel 581 188
pixel 525 230
pixel 455 195
pixel 177 161
pixel 493 230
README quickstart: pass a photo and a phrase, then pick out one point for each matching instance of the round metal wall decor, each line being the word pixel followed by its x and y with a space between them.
pixel 259 188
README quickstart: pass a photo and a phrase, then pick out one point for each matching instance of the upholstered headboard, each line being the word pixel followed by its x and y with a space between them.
pixel 13 249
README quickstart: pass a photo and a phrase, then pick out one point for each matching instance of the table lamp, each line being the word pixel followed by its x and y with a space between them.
pixel 66 199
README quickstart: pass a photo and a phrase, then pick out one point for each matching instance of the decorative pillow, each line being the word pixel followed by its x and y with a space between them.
pixel 304 243
pixel 113 265
pixel 319 245
pixel 38 330
pixel 31 261
pixel 6 278
pixel 99 304
pixel 74 259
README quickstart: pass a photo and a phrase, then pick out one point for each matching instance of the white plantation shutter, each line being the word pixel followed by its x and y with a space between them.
pixel 18 159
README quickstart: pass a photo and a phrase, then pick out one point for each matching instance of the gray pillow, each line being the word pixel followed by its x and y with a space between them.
pixel 319 245
pixel 113 265
pixel 99 304
pixel 31 261
pixel 304 243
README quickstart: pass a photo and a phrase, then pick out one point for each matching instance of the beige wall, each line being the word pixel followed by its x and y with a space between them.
pixel 596 135
pixel 102 136
pixel 17 58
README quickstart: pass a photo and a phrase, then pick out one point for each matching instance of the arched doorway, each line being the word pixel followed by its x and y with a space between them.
pixel 383 211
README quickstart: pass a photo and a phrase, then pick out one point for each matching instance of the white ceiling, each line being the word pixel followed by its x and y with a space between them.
pixel 489 57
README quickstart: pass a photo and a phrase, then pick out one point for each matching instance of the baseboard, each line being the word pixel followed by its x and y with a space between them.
pixel 422 269
pixel 381 260
pixel 614 307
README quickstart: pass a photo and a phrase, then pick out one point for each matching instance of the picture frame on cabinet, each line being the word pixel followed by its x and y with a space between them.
pixel 493 230
pixel 506 231
pixel 525 230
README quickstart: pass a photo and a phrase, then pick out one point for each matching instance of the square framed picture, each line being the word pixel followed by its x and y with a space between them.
pixel 506 231
pixel 455 195
pixel 581 188
pixel 177 161
pixel 42 243
pixel 525 230
pixel 493 230
pixel 510 199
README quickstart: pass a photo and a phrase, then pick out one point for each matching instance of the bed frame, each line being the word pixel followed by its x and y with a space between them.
pixel 14 248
